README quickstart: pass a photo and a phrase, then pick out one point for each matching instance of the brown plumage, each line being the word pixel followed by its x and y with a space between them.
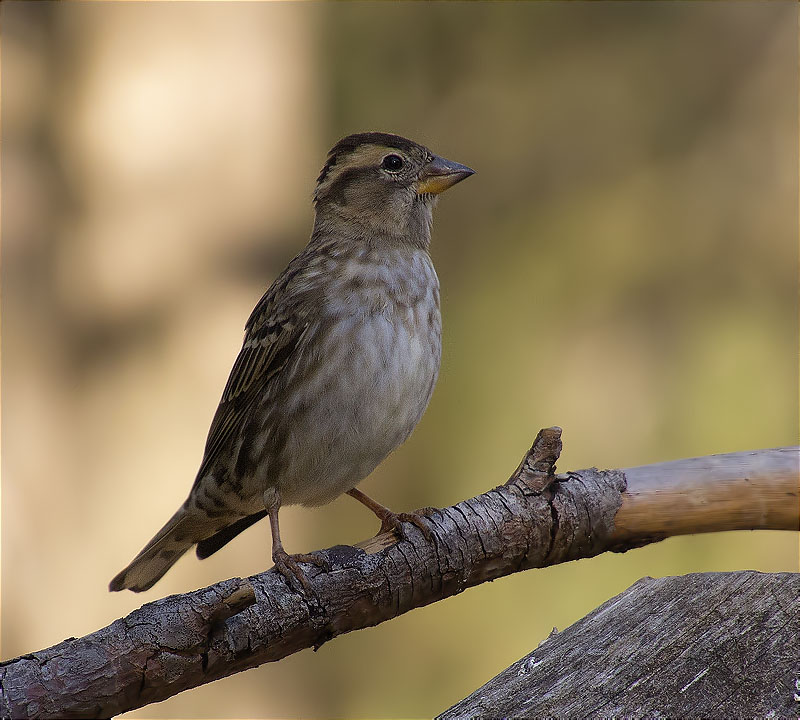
pixel 339 360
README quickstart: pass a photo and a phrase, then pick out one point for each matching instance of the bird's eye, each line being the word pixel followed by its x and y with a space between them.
pixel 393 163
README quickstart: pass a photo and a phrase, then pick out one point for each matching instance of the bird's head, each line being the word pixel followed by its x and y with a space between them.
pixel 383 184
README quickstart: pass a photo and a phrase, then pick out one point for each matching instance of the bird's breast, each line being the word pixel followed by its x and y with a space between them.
pixel 385 329
pixel 377 355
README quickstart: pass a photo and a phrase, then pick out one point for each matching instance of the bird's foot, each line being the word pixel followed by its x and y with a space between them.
pixel 289 566
pixel 393 522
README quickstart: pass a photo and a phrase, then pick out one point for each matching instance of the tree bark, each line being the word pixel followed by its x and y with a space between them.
pixel 536 519
pixel 710 645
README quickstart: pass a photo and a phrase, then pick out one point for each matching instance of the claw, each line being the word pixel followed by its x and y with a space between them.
pixel 393 522
pixel 288 566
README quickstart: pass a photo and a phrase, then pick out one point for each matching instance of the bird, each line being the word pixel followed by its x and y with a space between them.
pixel 339 360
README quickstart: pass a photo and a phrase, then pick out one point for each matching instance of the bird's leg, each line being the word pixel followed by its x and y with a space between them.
pixel 287 565
pixel 392 521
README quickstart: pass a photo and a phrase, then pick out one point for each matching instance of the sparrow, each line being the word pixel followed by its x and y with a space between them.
pixel 339 361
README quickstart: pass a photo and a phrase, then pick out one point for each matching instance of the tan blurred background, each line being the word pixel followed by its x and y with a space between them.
pixel 623 265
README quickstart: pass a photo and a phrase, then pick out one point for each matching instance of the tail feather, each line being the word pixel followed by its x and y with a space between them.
pixel 159 555
pixel 210 545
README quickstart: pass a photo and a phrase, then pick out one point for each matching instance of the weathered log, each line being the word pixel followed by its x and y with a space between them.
pixel 710 645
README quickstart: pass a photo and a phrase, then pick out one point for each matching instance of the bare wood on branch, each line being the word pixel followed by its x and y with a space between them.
pixel 536 519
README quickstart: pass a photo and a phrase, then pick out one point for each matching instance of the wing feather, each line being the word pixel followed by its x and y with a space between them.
pixel 271 339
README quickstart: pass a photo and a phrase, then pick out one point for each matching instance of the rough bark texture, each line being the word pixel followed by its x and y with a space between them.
pixel 712 645
pixel 534 520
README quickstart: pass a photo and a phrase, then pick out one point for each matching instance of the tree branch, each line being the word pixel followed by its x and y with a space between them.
pixel 536 519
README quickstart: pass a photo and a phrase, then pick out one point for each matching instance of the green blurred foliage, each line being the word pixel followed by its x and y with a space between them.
pixel 623 264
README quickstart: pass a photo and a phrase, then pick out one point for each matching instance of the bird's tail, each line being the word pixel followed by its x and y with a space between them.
pixel 160 554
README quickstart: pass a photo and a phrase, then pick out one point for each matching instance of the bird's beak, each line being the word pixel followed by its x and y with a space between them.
pixel 440 174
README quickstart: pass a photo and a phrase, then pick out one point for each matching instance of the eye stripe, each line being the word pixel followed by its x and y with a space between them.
pixel 363 153
pixel 334 188
pixel 354 156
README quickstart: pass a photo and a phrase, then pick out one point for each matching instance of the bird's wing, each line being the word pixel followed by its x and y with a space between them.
pixel 271 338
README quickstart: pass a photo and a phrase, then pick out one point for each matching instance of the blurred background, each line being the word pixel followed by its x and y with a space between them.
pixel 624 265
